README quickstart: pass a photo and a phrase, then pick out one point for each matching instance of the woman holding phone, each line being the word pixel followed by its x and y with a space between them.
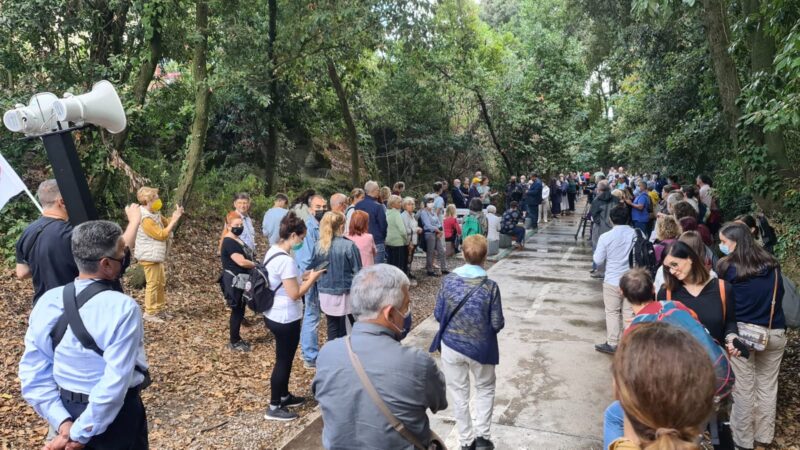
pixel 342 261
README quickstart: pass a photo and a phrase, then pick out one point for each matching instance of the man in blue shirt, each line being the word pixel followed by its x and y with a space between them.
pixel 92 400
pixel 309 339
pixel 271 225
pixel 640 212
pixel 377 218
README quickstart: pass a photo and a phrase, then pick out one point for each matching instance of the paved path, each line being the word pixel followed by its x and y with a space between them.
pixel 552 387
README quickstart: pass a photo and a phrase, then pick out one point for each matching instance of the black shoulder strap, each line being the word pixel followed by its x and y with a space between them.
pixel 461 304
pixel 35 237
pixel 71 317
pixel 265 266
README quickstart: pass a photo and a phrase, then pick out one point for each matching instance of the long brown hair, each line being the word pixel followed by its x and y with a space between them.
pixel 749 258
pixel 699 273
pixel 664 380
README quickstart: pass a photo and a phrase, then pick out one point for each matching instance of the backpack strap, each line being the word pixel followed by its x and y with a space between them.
pixel 722 298
pixel 265 266
pixel 774 297
pixel 35 238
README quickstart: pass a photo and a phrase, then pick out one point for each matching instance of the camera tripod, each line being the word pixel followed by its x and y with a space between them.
pixel 584 220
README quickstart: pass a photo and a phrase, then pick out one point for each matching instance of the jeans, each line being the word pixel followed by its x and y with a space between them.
pixel 237 316
pixel 518 233
pixel 533 215
pixel 641 226
pixel 380 256
pixel 287 335
pixel 128 430
pixel 456 368
pixel 309 339
pixel 613 423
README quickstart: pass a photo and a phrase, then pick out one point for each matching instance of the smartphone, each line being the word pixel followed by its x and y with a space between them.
pixel 324 265
pixel 742 347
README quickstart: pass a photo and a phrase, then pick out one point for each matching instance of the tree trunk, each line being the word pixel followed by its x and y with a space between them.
pixel 352 134
pixel 143 79
pixel 270 151
pixel 717 34
pixel 762 53
pixel 495 141
pixel 197 140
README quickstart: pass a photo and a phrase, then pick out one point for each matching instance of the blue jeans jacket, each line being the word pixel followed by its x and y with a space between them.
pixel 345 262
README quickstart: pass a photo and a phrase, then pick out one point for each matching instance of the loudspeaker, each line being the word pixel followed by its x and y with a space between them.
pixel 100 107
pixel 36 118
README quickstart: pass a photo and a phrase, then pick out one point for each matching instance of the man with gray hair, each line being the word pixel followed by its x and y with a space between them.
pixel 378 224
pixel 338 202
pixel 84 364
pixel 406 379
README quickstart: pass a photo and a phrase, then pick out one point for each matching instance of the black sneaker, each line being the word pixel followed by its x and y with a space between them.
pixel 281 414
pixel 445 271
pixel 468 447
pixel 482 443
pixel 240 346
pixel 433 274
pixel 292 401
pixel 605 348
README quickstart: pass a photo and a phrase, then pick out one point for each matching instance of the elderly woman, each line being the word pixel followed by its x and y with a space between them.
pixel 344 262
pixel 470 315
pixel 151 250
pixel 413 231
pixel 432 227
pixel 396 238
pixel 237 260
pixel 757 281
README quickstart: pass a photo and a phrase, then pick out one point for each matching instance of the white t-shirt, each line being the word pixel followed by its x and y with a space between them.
pixel 545 192
pixel 284 309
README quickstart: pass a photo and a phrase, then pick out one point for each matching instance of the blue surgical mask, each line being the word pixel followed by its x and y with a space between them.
pixel 406 325
pixel 724 249
pixel 297 246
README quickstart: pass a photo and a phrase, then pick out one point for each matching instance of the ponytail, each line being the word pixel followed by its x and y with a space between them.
pixel 672 439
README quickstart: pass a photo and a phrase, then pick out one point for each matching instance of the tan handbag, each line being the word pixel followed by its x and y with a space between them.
pixel 436 442
pixel 757 336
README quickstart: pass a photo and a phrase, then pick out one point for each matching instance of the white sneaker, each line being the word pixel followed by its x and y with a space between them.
pixel 152 318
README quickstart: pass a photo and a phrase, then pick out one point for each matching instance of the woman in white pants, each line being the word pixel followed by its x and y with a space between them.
pixel 468 338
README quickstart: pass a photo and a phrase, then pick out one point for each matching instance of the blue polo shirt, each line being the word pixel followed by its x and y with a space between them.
pixel 643 215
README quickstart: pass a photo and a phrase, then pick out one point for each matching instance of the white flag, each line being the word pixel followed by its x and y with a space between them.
pixel 10 183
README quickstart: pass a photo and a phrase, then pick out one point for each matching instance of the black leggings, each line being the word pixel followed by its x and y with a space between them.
pixel 571 201
pixel 237 316
pixel 337 327
pixel 287 337
pixel 398 257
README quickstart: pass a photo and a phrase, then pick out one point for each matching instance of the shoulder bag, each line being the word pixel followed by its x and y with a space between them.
pixel 436 345
pixel 436 442
pixel 757 336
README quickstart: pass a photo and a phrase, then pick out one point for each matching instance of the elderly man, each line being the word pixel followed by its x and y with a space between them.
pixel 338 202
pixel 309 340
pixel 84 362
pixel 405 378
pixel 377 218
pixel 458 195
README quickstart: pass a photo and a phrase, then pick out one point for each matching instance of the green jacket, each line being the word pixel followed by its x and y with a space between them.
pixel 396 231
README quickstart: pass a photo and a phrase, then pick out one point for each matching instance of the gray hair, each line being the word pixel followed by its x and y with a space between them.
pixel 673 198
pixel 338 199
pixel 602 186
pixel 395 200
pixel 371 187
pixel 491 209
pixel 376 287
pixel 93 241
pixel 48 193
pixel 409 200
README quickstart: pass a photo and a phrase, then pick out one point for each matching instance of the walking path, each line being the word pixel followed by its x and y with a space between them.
pixel 552 386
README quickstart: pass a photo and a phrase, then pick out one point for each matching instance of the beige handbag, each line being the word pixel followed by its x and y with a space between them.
pixel 757 336
pixel 436 442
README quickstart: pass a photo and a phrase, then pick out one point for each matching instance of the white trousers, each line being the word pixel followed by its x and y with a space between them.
pixel 456 368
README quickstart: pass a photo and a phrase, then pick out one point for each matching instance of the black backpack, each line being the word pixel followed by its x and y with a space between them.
pixel 257 294
pixel 643 254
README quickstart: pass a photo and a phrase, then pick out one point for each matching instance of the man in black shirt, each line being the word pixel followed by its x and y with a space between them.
pixel 44 251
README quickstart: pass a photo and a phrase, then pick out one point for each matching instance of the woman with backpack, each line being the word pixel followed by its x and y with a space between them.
pixel 688 280
pixel 475 222
pixel 285 316
pixel 470 316
pixel 237 260
pixel 755 276
pixel 344 262
pixel 666 405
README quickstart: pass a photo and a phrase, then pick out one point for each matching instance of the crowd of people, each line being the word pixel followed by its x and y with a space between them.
pixel 349 257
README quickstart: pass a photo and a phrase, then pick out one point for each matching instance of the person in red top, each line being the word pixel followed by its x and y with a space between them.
pixel 452 229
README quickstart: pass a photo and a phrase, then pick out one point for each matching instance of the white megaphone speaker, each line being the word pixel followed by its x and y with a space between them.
pixel 100 107
pixel 36 118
